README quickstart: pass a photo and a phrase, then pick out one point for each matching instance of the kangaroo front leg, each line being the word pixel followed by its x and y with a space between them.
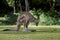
pixel 26 27
pixel 18 26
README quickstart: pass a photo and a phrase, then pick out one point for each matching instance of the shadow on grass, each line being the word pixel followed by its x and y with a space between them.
pixel 42 30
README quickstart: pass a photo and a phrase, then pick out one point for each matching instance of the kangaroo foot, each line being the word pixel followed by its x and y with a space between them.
pixel 30 30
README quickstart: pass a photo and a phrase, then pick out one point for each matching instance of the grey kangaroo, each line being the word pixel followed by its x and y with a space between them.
pixel 25 18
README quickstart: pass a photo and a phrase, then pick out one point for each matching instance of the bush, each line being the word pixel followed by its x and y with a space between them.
pixel 47 20
pixel 11 18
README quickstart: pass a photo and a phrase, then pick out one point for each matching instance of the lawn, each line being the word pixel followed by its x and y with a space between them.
pixel 42 33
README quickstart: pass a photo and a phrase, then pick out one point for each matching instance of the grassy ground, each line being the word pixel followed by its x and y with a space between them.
pixel 42 33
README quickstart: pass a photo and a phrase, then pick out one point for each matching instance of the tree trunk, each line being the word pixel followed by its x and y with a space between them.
pixel 20 6
pixel 53 4
pixel 14 6
pixel 27 5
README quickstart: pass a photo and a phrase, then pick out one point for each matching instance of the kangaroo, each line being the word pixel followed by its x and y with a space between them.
pixel 25 18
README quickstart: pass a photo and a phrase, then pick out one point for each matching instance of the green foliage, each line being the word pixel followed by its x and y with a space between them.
pixel 11 18
pixel 10 2
pixel 39 1
pixel 36 13
pixel 51 13
pixel 47 20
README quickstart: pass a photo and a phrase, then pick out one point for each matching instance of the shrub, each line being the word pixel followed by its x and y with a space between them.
pixel 11 18
pixel 47 20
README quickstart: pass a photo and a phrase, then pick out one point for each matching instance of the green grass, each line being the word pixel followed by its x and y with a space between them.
pixel 42 33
